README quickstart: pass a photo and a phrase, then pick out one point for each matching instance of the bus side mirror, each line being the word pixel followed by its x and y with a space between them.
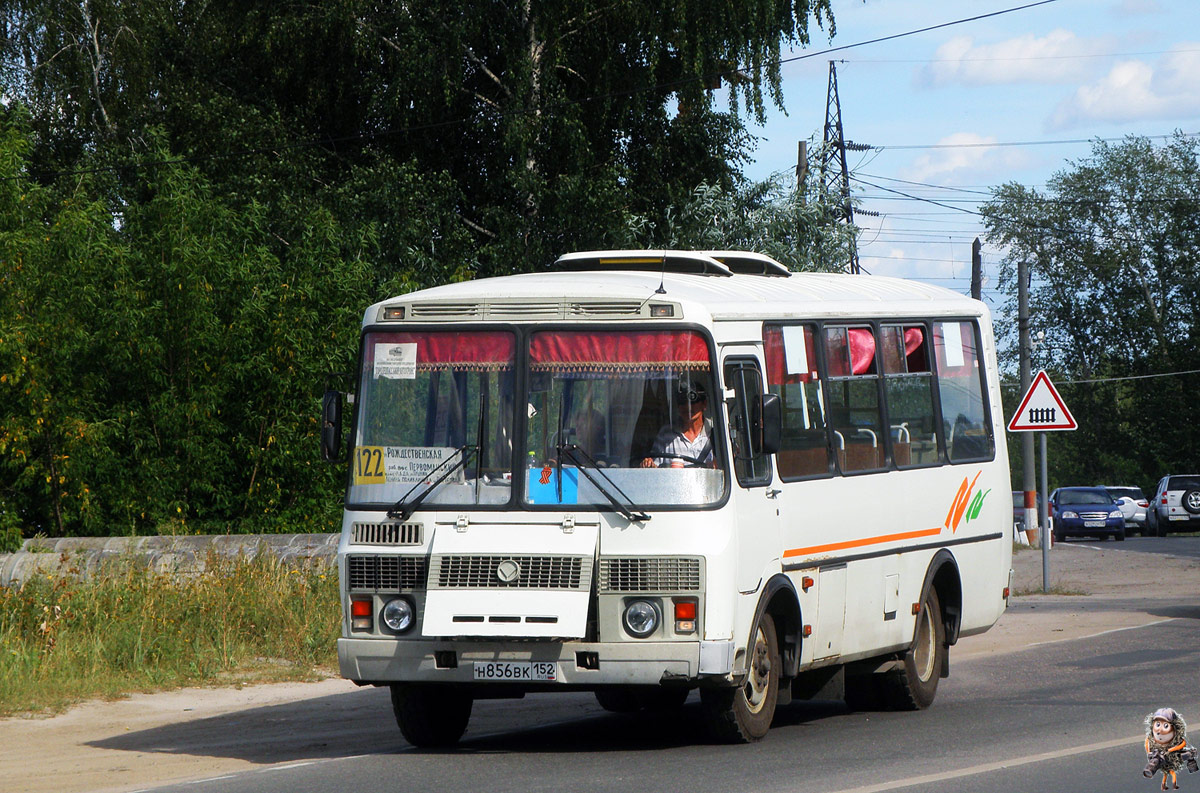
pixel 331 426
pixel 772 424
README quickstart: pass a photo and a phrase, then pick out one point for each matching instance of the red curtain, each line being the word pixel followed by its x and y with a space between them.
pixel 596 350
pixel 862 353
pixel 459 350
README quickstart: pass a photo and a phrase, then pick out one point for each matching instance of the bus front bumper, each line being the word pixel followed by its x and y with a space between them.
pixel 575 663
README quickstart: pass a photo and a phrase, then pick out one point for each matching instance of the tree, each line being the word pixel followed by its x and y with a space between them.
pixel 199 199
pixel 160 368
pixel 539 126
pixel 1114 253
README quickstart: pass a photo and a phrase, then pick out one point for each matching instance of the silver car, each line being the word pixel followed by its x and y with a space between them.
pixel 1133 505
pixel 1175 506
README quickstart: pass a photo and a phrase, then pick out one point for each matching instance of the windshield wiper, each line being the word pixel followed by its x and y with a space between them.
pixel 585 464
pixel 403 509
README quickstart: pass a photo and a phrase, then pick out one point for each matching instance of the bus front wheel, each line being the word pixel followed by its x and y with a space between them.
pixel 914 684
pixel 744 714
pixel 431 716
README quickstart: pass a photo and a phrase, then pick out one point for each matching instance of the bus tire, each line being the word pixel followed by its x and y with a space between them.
pixel 744 714
pixel 431 716
pixel 914 684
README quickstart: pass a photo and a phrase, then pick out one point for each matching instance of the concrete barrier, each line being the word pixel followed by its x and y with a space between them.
pixel 88 556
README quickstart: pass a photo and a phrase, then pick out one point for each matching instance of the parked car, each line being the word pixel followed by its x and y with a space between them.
pixel 1085 511
pixel 1133 505
pixel 1175 506
pixel 1018 497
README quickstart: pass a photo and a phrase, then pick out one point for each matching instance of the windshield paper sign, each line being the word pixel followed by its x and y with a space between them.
pixel 378 465
pixel 396 361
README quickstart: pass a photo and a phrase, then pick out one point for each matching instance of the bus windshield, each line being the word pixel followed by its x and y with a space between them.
pixel 431 398
pixel 635 403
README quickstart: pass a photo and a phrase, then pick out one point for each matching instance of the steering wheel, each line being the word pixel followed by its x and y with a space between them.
pixel 692 461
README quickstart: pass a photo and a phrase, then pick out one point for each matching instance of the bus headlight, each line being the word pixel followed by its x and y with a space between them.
pixel 641 618
pixel 397 615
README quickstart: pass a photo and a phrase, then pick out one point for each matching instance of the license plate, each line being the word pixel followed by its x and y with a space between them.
pixel 516 671
pixel 1177 517
pixel 1093 524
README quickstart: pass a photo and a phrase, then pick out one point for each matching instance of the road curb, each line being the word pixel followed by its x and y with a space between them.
pixel 185 554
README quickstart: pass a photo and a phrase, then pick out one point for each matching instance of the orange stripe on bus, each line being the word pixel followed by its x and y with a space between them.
pixel 838 546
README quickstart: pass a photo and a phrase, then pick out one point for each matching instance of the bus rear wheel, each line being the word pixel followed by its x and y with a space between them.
pixel 744 714
pixel 431 716
pixel 914 684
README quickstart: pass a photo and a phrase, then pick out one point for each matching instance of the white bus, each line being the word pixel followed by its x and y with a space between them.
pixel 649 472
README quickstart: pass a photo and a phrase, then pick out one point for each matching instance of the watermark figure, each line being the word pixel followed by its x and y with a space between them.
pixel 1167 749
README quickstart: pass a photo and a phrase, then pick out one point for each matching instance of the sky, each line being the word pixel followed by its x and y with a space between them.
pixel 1043 81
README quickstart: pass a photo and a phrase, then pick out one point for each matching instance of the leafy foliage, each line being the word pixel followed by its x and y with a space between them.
pixel 199 198
pixel 162 365
pixel 1115 261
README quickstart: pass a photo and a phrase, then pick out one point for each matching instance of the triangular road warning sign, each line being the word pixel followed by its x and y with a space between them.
pixel 1042 409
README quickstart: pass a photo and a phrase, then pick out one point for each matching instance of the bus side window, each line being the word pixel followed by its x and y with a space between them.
pixel 792 374
pixel 965 424
pixel 853 398
pixel 908 389
pixel 745 423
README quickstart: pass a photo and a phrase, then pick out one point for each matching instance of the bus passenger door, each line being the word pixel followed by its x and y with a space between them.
pixel 755 501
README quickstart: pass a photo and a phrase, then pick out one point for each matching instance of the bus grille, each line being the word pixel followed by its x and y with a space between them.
pixel 531 572
pixel 386 533
pixel 655 574
pixel 385 573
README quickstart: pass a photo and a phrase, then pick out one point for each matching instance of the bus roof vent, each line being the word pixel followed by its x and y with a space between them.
pixel 646 261
pixel 750 263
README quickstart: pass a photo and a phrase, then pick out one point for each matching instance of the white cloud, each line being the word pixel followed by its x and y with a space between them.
pixel 1053 58
pixel 967 159
pixel 1137 91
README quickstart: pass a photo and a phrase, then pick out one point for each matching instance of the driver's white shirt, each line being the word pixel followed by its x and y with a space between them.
pixel 671 440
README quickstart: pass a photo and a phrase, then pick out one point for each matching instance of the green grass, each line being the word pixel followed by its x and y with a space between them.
pixel 64 640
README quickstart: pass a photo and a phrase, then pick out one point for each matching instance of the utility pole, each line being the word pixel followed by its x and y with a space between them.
pixel 976 269
pixel 835 148
pixel 1028 477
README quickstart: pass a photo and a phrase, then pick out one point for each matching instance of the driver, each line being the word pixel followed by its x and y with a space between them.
pixel 689 436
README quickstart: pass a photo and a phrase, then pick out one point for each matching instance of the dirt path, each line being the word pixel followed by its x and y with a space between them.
pixel 154 739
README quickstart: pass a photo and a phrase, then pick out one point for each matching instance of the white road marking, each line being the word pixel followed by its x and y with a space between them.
pixel 1101 633
pixel 984 768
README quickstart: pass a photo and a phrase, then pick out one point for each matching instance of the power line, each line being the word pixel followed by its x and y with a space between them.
pixel 927 184
pixel 1025 57
pixel 998 144
pixel 1114 379
pixel 913 32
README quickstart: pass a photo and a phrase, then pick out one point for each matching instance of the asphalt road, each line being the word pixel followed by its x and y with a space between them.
pixel 1187 545
pixel 1065 715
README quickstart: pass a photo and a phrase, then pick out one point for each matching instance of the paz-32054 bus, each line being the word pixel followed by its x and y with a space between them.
pixel 650 472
